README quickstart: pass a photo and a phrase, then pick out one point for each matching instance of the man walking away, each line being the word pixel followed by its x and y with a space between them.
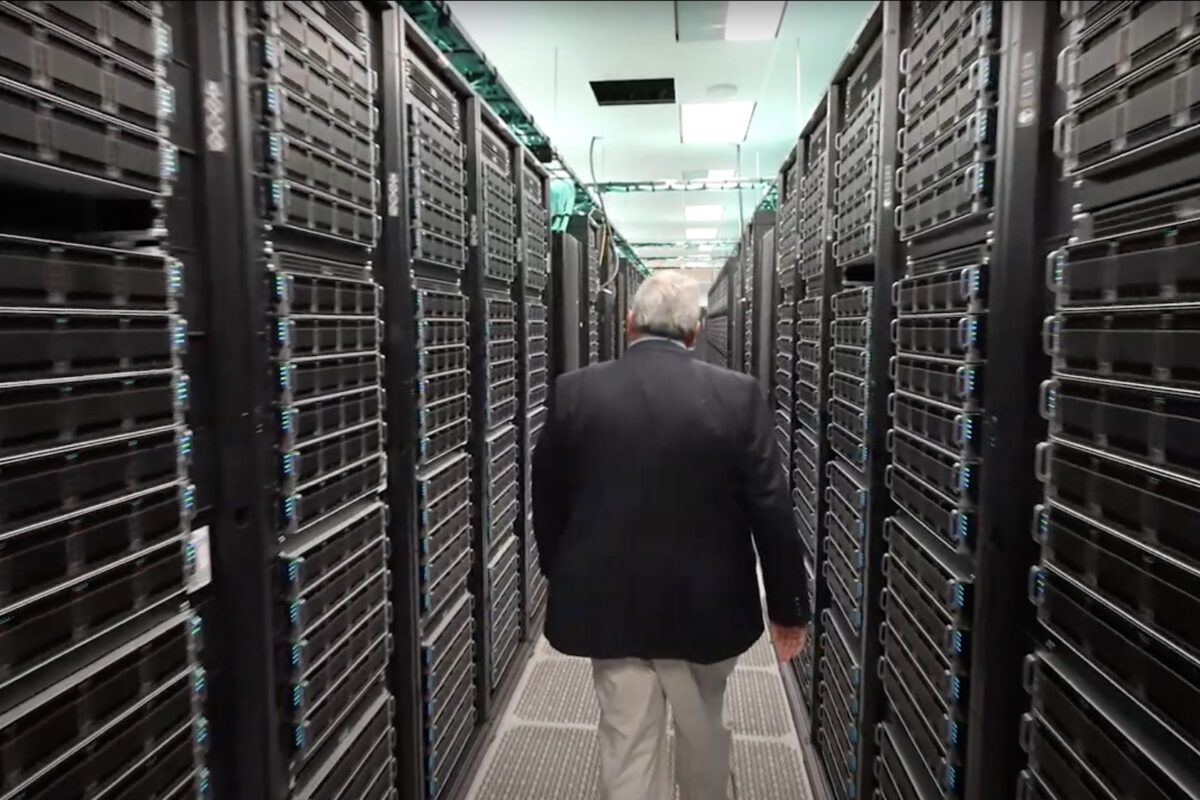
pixel 655 480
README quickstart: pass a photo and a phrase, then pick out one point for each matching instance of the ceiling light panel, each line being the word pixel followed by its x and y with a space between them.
pixel 720 174
pixel 753 20
pixel 709 123
pixel 703 213
pixel 701 233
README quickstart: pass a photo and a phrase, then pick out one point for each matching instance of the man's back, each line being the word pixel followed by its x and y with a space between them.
pixel 653 473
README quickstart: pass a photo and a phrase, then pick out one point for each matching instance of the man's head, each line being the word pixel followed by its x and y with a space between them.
pixel 667 304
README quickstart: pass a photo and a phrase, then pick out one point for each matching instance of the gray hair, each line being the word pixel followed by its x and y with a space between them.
pixel 667 304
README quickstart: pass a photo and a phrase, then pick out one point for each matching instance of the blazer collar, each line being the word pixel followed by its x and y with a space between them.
pixel 657 345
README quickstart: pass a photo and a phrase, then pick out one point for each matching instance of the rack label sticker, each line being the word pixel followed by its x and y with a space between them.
pixel 393 194
pixel 198 542
pixel 214 117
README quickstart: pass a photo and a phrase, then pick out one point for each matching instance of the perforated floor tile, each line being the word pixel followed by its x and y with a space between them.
pixel 546 746
pixel 768 771
pixel 532 762
pixel 761 655
pixel 559 690
pixel 755 704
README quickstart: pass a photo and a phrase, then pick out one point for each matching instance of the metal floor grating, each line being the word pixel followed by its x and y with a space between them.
pixel 545 745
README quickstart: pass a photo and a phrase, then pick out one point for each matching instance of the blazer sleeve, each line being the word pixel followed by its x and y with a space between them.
pixel 764 494
pixel 551 503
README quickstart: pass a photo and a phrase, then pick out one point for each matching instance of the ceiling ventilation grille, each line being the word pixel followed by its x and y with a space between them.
pixel 638 92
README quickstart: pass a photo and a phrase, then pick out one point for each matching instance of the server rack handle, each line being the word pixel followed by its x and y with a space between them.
pixel 1041 461
pixel 1059 138
pixel 887 476
pixel 960 429
pixel 894 331
pixel 889 439
pixel 1025 734
pixel 1039 512
pixel 898 218
pixel 896 293
pixel 1036 577
pixel 1050 329
pixel 902 62
pixel 1052 264
pixel 1066 72
pixel 899 174
pixel 893 366
pixel 901 141
pixel 1046 398
pixel 1024 780
pixel 891 406
pixel 1029 672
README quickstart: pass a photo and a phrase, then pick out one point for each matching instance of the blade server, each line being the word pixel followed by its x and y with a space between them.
pixel 1115 589
pixel 101 687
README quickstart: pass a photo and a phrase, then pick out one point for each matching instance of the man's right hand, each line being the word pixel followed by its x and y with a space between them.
pixel 788 641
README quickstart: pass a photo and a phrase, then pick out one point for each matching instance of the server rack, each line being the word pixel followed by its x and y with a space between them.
pixel 310 118
pixel 817 280
pixel 534 339
pixel 762 231
pixel 971 215
pixel 493 161
pixel 717 324
pixel 783 368
pixel 589 231
pixel 862 131
pixel 432 352
pixel 568 282
pixel 100 683
pixel 1115 670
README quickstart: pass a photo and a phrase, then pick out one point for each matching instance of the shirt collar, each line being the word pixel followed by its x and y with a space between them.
pixel 648 337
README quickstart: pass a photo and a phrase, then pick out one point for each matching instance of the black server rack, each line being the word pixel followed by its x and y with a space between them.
pixel 433 261
pixel 493 165
pixel 783 367
pixel 567 283
pixel 810 478
pixel 311 124
pixel 589 231
pixel 762 231
pixel 745 267
pixel 862 129
pixel 535 366
pixel 101 689
pixel 974 207
pixel 717 321
pixel 1115 674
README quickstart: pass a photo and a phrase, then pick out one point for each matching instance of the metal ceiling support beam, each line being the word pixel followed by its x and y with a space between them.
pixel 434 18
pixel 629 187
pixel 691 244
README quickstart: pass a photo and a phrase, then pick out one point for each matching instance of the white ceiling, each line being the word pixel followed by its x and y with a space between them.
pixel 547 52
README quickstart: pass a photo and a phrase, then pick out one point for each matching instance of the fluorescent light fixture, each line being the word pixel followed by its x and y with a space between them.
pixel 706 248
pixel 703 213
pixel 720 174
pixel 711 123
pixel 700 233
pixel 753 20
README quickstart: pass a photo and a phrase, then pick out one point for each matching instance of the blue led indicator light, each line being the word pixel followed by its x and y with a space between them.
pixel 953 733
pixel 295 655
pixel 295 697
pixel 958 641
pixel 955 687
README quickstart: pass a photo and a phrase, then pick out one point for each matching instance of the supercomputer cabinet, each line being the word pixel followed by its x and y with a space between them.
pixel 1115 586
pixel 102 689
pixel 567 281
pixel 591 234
pixel 535 340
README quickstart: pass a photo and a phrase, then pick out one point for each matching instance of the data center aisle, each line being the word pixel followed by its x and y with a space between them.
pixel 545 745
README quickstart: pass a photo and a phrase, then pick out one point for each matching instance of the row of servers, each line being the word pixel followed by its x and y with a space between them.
pixel 281 324
pixel 102 679
pixel 981 345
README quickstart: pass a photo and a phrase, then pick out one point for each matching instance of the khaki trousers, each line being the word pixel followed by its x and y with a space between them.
pixel 633 696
